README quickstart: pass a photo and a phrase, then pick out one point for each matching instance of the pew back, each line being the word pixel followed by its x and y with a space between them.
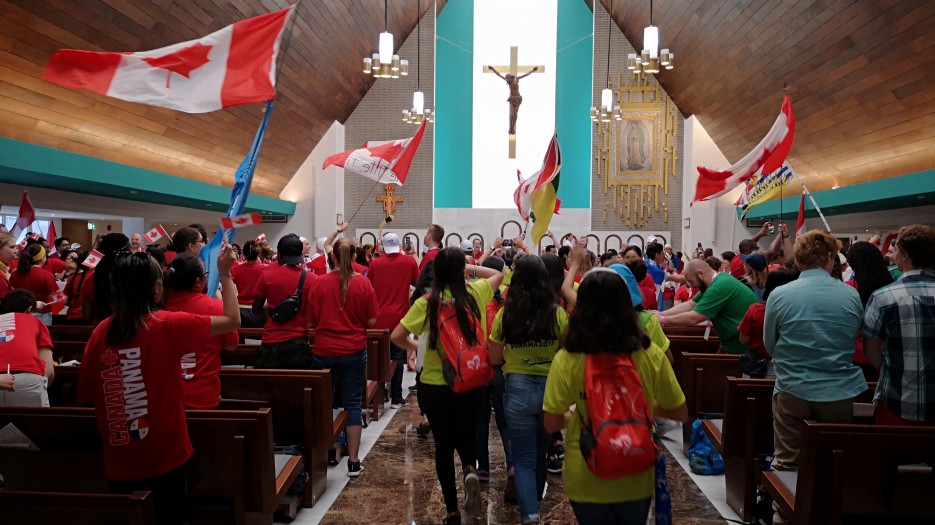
pixel 55 508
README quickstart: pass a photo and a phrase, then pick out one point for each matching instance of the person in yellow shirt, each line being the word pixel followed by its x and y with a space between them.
pixel 524 338
pixel 604 321
pixel 453 416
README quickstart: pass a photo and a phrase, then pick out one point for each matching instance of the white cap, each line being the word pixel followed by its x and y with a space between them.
pixel 390 243
pixel 467 246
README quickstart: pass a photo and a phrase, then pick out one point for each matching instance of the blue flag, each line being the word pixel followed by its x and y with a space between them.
pixel 242 181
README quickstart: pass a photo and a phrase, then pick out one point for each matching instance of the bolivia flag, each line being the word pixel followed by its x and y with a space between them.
pixel 545 199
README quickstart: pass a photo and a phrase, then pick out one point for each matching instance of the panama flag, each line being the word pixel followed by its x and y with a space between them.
pixel 800 222
pixel 232 66
pixel 766 157
pixel 247 219
pixel 383 161
pixel 155 234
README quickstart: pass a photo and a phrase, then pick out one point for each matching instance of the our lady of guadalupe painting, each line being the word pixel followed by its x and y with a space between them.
pixel 636 145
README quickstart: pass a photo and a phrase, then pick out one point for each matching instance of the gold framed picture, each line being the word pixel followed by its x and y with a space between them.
pixel 637 145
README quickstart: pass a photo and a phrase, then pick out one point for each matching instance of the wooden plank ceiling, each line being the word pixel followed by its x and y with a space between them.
pixel 859 73
pixel 319 82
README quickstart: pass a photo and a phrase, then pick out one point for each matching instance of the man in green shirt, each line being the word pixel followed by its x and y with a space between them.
pixel 723 300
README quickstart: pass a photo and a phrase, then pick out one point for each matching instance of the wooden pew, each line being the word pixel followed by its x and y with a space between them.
pixel 702 378
pixel 232 478
pixel 688 331
pixel 857 474
pixel 679 345
pixel 55 508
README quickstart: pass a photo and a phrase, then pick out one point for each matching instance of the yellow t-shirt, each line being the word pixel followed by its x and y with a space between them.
pixel 653 329
pixel 531 357
pixel 416 321
pixel 565 387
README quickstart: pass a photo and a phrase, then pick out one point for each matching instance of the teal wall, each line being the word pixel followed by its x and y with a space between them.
pixel 573 101
pixel 454 104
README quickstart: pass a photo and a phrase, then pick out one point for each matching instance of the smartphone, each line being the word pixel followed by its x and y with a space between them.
pixel 771 229
pixel 507 242
pixel 408 244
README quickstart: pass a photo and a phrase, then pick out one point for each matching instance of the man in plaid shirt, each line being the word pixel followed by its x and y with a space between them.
pixel 901 318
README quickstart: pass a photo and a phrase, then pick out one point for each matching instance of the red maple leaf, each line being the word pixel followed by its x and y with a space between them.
pixel 183 61
pixel 109 358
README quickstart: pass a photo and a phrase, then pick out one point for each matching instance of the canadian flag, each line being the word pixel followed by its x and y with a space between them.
pixel 27 214
pixel 229 223
pixel 235 65
pixel 800 222
pixel 261 237
pixel 93 258
pixel 386 161
pixel 155 234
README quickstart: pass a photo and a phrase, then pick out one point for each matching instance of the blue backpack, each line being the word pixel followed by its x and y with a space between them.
pixel 703 458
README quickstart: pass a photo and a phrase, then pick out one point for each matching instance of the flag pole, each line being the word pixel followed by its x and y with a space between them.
pixel 367 198
pixel 812 199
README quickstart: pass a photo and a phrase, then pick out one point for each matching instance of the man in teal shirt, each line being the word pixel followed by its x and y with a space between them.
pixel 723 300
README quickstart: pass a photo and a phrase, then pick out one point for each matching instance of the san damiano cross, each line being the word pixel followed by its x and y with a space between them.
pixel 389 200
pixel 516 73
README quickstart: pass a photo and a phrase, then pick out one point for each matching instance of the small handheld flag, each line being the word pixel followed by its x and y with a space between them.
pixel 261 237
pixel 247 219
pixel 155 234
pixel 94 257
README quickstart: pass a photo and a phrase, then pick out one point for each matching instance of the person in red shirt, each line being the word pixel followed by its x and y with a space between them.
pixel 285 342
pixel 391 275
pixel 757 362
pixel 54 265
pixel 686 292
pixel 318 263
pixel 245 276
pixel 7 256
pixel 29 274
pixel 342 306
pixel 201 368
pixel 97 291
pixel 132 375
pixel 433 242
pixel 74 288
pixel 647 285
pixel 26 350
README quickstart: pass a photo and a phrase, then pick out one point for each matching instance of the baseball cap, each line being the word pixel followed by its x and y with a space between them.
pixel 755 260
pixel 467 246
pixel 390 243
pixel 289 249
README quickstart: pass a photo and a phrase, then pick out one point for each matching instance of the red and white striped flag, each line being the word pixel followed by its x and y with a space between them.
pixel 234 65
pixel 155 234
pixel 27 214
pixel 385 161
pixel 766 157
pixel 800 222
pixel 93 258
pixel 247 219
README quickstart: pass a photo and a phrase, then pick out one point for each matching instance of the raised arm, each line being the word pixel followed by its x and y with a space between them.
pixel 329 242
pixel 495 72
pixel 527 74
pixel 230 321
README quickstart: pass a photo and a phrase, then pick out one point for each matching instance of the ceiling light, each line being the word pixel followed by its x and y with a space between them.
pixel 418 114
pixel 607 112
pixel 383 63
pixel 651 58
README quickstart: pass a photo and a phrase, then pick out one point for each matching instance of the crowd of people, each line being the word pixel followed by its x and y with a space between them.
pixel 821 322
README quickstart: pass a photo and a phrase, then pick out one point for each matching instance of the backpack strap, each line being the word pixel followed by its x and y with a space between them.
pixel 298 291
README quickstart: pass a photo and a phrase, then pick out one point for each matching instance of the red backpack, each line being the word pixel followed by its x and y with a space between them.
pixel 464 367
pixel 618 440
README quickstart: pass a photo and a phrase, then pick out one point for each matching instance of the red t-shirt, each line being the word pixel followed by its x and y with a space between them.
pixel 169 255
pixel 87 290
pixel 4 286
pixel 341 329
pixel 38 281
pixel 21 337
pixel 318 264
pixel 752 326
pixel 648 291
pixel 859 356
pixel 74 290
pixel 391 276
pixel 53 265
pixel 429 255
pixel 684 293
pixel 736 267
pixel 136 390
pixel 275 284
pixel 245 276
pixel 201 368
pixel 360 268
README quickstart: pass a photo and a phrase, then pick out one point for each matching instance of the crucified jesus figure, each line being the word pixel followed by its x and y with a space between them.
pixel 515 98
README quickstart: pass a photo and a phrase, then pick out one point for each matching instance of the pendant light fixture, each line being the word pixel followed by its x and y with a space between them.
pixel 418 113
pixel 384 64
pixel 607 111
pixel 649 60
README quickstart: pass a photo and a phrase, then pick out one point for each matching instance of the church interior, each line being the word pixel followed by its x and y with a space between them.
pixel 684 128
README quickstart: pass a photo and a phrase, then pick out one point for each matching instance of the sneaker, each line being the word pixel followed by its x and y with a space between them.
pixel 414 388
pixel 483 475
pixel 554 464
pixel 472 503
pixel 354 469
pixel 424 429
pixel 509 495
pixel 398 403
pixel 559 448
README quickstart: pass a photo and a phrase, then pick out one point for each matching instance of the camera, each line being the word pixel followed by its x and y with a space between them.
pixel 507 243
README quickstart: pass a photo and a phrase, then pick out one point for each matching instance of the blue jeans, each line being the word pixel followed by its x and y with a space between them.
pixel 492 397
pixel 522 402
pixel 628 513
pixel 352 369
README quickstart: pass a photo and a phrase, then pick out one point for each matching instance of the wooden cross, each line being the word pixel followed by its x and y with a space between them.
pixel 389 200
pixel 518 72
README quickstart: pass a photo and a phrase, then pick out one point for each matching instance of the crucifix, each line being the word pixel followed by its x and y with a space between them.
pixel 512 78
pixel 389 200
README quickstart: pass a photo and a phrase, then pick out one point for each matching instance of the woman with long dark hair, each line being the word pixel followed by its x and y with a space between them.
pixel 453 416
pixel 73 288
pixel 186 279
pixel 342 306
pixel 96 292
pixel 870 274
pixel 524 339
pixel 604 321
pixel 131 373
